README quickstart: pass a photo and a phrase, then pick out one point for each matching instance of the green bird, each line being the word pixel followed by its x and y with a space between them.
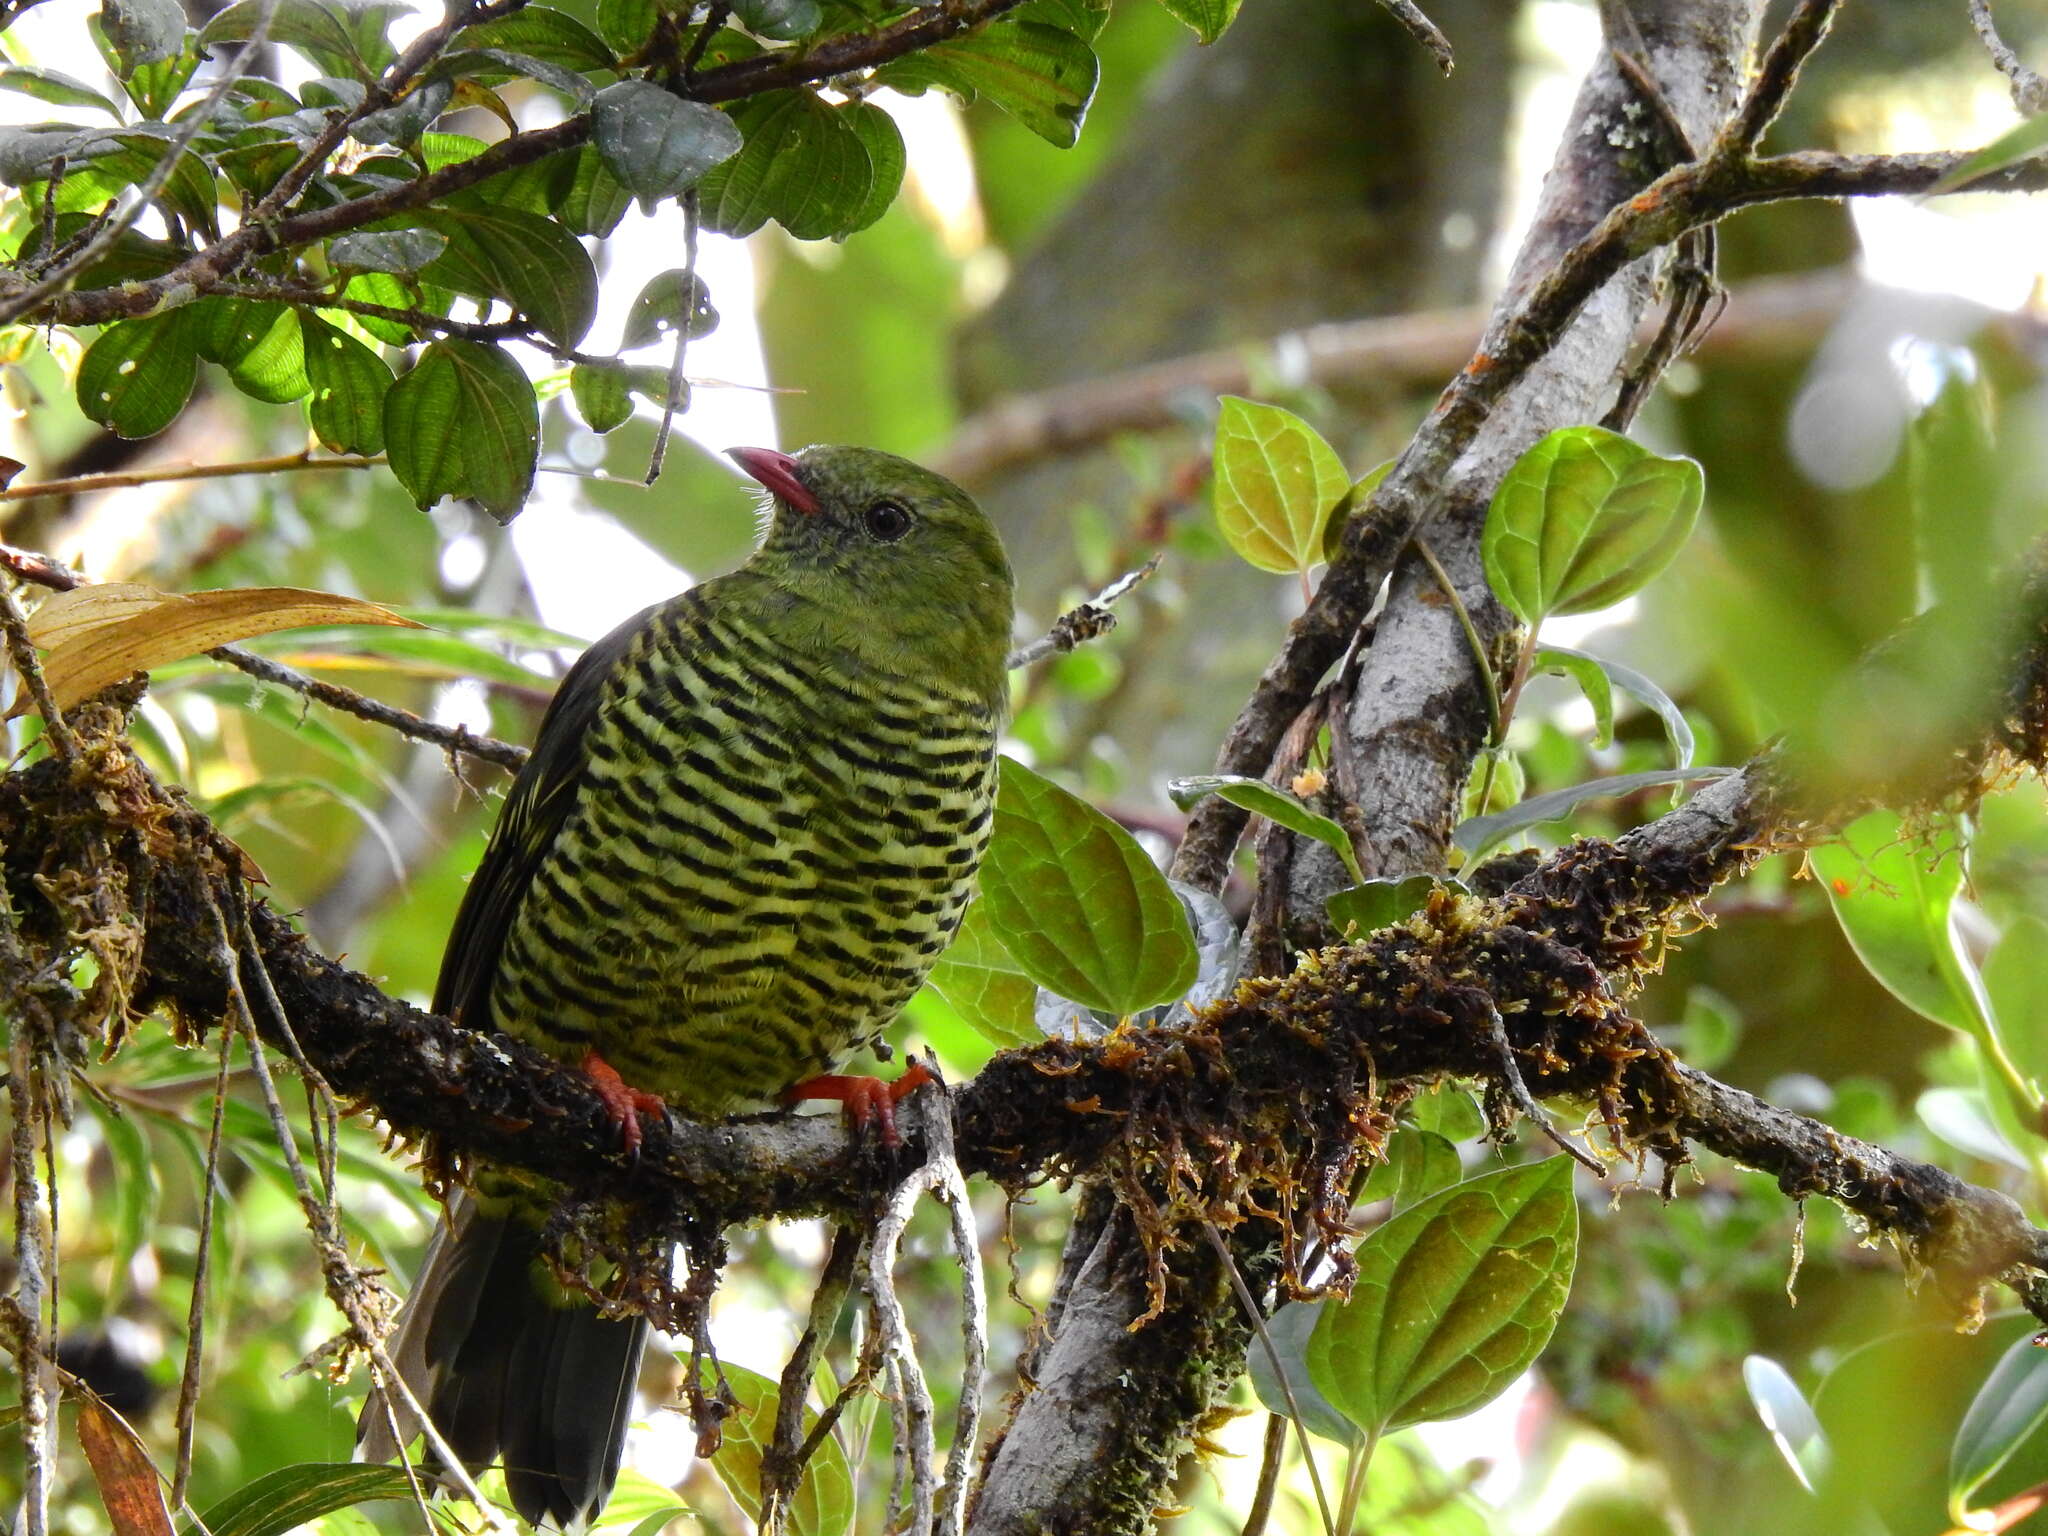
pixel 750 824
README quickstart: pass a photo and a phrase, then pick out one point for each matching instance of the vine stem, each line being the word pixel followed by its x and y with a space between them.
pixel 125 480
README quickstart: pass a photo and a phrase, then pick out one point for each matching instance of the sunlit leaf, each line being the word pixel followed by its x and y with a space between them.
pixel 1593 682
pixel 2019 143
pixel 1276 481
pixel 1417 1164
pixel 823 1502
pixel 1209 18
pixel 1276 805
pixel 1584 519
pixel 602 398
pixel 1077 903
pixel 1962 1118
pixel 1455 1297
pixel 142 31
pixel 137 375
pixel 349 383
pixel 987 988
pixel 464 422
pixel 57 88
pixel 545 33
pixel 313 28
pixel 1044 76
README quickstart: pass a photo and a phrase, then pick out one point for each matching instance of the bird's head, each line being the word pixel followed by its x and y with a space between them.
pixel 898 562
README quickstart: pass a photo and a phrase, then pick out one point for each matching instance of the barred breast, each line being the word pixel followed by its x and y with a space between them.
pixel 766 853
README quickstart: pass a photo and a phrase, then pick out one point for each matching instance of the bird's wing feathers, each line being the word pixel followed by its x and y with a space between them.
pixel 539 803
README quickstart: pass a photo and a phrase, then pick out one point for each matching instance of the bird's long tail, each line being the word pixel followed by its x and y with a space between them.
pixel 510 1369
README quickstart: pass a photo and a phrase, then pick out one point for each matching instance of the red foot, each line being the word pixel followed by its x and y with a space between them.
pixel 625 1105
pixel 870 1102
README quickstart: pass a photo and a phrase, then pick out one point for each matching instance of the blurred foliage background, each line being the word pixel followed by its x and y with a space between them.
pixel 1311 167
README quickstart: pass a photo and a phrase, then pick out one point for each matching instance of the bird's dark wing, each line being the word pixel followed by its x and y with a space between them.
pixel 539 803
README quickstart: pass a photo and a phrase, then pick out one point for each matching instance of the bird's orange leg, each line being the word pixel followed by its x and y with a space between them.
pixel 869 1101
pixel 625 1105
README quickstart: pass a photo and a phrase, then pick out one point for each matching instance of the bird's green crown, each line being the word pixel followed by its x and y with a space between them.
pixel 885 559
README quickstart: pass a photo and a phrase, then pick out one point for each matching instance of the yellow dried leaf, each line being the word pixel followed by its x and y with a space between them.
pixel 97 635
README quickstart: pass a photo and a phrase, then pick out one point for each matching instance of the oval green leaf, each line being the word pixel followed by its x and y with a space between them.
pixel 1793 1426
pixel 602 397
pixel 137 375
pixel 1276 482
pixel 670 299
pixel 2009 1407
pixel 656 143
pixel 1208 18
pixel 464 422
pixel 1290 1328
pixel 1584 519
pixel 349 383
pixel 1077 903
pixel 1276 805
pixel 1417 1164
pixel 1455 1297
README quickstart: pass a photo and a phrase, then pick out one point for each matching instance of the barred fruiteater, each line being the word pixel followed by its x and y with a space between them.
pixel 750 824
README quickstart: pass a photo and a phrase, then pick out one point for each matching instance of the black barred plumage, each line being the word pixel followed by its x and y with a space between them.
pixel 750 824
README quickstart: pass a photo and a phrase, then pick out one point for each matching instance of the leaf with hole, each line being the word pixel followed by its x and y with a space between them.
pixel 1078 904
pixel 1276 805
pixel 137 375
pixel 656 143
pixel 464 422
pixel 1276 482
pixel 1455 1297
pixel 1584 519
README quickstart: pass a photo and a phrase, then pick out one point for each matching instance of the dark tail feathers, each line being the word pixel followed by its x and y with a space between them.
pixel 509 1373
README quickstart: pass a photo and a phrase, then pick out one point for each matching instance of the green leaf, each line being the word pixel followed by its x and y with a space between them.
pixel 1043 76
pixel 1677 730
pixel 1348 506
pixel 257 342
pixel 596 199
pixel 135 1185
pixel 137 375
pixel 386 250
pixel 307 25
pixel 1084 18
pixel 2009 1407
pixel 984 985
pixel 626 25
pixel 57 89
pixel 1276 805
pixel 532 263
pixel 656 143
pixel 602 398
pixel 496 65
pixel 1209 18
pixel 1376 904
pixel 671 298
pixel 1593 682
pixel 1790 1419
pixel 783 20
pixel 545 33
pixel 142 31
pixel 823 1502
pixel 278 1501
pixel 1077 903
pixel 407 119
pixel 1449 1111
pixel 1584 519
pixel 1894 895
pixel 2018 985
pixel 1480 833
pixel 155 87
pixel 1290 1328
pixel 883 140
pixel 107 162
pixel 1454 1298
pixel 1276 482
pixel 1417 1164
pixel 802 165
pixel 349 383
pixel 382 288
pixel 1962 1118
pixel 2009 148
pixel 464 422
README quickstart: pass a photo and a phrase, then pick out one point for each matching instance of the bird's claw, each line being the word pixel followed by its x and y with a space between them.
pixel 870 1103
pixel 624 1104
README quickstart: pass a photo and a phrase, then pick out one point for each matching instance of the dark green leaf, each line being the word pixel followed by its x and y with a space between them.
pixel 1677 730
pixel 2010 1406
pixel 278 1501
pixel 1084 18
pixel 1077 903
pixel 387 250
pixel 349 383
pixel 369 28
pixel 464 422
pixel 307 25
pixel 407 118
pixel 498 64
pixel 1584 519
pixel 1454 1298
pixel 1276 805
pixel 258 343
pixel 883 140
pixel 1290 1328
pixel 627 24
pixel 1593 682
pixel 984 985
pixel 1042 76
pixel 1209 18
pixel 142 31
pixel 1417 1164
pixel 1376 904
pixel 532 263
pixel 545 33
pixel 802 164
pixel 1480 833
pixel 601 395
pixel 669 301
pixel 823 1503
pixel 596 199
pixel 57 89
pixel 137 375
pixel 783 20
pixel 126 158
pixel 154 88
pixel 1275 483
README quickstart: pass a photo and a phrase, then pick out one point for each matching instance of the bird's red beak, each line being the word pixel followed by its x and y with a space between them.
pixel 777 471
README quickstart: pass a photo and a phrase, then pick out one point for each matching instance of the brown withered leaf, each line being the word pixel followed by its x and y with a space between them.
pixel 99 634
pixel 128 1482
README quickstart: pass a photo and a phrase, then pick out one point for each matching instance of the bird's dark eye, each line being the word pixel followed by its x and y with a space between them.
pixel 887 520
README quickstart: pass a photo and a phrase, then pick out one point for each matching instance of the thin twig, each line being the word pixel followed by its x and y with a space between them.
pixel 1511 1082
pixel 2029 90
pixel 29 666
pixel 31 1267
pixel 951 1189
pixel 1077 625
pixel 1495 725
pixel 79 485
pixel 195 1313
pixel 782 1466
pixel 1804 31
pixel 1270 1456
pixel 1422 29
pixel 672 391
